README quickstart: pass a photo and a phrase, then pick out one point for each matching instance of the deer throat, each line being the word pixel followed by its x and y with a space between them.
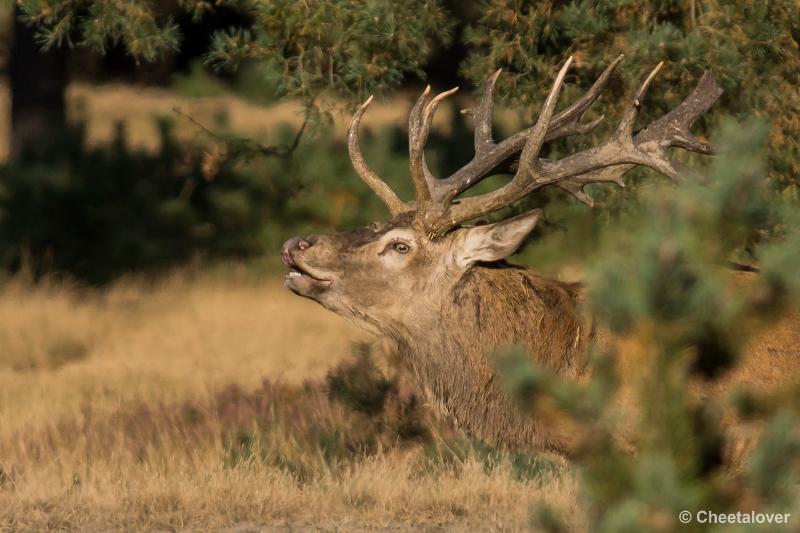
pixel 452 362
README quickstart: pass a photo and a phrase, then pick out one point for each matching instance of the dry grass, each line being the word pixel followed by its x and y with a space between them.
pixel 200 403
pixel 384 492
pixel 161 343
pixel 104 106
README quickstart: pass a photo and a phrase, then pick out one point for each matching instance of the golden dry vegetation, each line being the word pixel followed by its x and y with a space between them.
pixel 214 401
pixel 103 107
pixel 199 402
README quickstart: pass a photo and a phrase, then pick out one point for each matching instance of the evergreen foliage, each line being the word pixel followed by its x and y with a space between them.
pixel 324 53
pixel 313 50
pixel 134 24
pixel 662 279
pixel 752 47
pixel 322 50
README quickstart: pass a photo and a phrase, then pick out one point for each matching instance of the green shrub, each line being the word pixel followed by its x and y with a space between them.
pixel 98 212
pixel 661 277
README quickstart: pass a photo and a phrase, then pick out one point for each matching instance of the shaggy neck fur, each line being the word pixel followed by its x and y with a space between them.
pixel 492 307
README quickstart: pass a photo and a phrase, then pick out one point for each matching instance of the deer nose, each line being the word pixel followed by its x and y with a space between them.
pixel 292 244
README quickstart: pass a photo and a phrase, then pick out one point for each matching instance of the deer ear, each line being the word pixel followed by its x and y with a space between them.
pixel 497 241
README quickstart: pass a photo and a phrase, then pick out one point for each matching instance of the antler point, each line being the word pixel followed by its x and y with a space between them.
pixel 531 172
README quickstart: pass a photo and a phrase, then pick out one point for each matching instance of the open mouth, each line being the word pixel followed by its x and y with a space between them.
pixel 297 273
pixel 301 280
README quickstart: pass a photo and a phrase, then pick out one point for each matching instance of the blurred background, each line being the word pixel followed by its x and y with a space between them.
pixel 207 156
pixel 222 140
pixel 154 156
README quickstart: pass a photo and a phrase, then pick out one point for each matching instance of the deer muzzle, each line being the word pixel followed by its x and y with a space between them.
pixel 302 278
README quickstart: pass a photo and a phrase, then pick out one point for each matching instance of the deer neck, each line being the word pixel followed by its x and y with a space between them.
pixel 491 308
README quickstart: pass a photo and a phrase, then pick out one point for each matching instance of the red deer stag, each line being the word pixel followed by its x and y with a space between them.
pixel 441 290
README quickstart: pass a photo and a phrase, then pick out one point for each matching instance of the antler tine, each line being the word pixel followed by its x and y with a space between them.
pixel 605 162
pixel 655 159
pixel 419 126
pixel 373 181
pixel 416 146
pixel 483 115
pixel 430 110
pixel 678 121
pixel 425 129
pixel 670 130
pixel 501 157
pixel 625 128
pixel 533 146
pixel 568 121
pixel 523 180
pixel 610 160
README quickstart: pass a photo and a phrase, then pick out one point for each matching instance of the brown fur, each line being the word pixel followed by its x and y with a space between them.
pixel 447 316
pixel 452 361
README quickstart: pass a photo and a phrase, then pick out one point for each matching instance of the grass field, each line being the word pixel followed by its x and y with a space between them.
pixel 217 400
pixel 200 401
pixel 102 107
pixel 209 401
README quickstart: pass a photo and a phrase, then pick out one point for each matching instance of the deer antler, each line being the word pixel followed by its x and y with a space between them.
pixel 493 158
pixel 373 181
pixel 419 126
pixel 437 209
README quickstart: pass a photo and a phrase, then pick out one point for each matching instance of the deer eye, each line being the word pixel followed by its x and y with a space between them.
pixel 401 247
pixel 396 246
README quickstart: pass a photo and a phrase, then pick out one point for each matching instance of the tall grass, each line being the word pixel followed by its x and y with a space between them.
pixel 222 401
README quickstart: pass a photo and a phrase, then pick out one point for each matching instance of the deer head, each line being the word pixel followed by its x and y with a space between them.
pixel 393 276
